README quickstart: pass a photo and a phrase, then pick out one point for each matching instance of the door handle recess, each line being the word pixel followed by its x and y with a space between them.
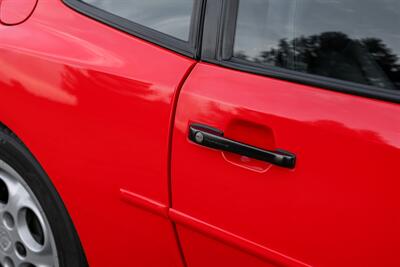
pixel 213 138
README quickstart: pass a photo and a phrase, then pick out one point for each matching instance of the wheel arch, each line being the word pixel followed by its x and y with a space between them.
pixel 26 152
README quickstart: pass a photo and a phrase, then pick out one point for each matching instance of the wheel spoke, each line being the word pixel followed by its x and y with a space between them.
pixel 40 258
pixel 17 200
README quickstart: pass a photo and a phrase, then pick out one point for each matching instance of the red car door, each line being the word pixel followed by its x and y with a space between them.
pixel 286 141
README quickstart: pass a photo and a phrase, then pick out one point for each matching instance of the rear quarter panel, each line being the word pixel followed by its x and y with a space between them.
pixel 93 105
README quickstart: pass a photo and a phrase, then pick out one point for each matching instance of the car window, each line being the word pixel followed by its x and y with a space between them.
pixel 351 40
pixel 172 17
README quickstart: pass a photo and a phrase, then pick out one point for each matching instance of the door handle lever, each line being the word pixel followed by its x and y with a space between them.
pixel 213 138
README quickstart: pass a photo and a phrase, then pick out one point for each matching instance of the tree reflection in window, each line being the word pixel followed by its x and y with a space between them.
pixel 333 54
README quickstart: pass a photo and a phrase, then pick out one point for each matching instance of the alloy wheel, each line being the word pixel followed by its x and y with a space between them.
pixel 26 239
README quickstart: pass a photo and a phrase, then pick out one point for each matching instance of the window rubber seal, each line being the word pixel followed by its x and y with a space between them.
pixel 188 48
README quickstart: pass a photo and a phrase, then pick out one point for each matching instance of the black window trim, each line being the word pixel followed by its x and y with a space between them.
pixel 190 48
pixel 218 49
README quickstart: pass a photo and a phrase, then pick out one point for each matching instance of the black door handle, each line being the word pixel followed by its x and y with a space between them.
pixel 214 138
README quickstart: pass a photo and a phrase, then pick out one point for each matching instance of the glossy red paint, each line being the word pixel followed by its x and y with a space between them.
pixel 77 98
pixel 231 240
pixel 338 207
pixel 15 12
pixel 145 203
pixel 107 116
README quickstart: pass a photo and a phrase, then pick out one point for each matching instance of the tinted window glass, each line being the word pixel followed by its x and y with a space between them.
pixel 350 40
pixel 171 17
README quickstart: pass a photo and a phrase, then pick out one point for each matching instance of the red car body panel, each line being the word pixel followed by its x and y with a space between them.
pixel 107 116
pixel 338 207
pixel 94 107
pixel 15 12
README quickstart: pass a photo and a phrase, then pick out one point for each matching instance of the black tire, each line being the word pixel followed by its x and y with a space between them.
pixel 14 153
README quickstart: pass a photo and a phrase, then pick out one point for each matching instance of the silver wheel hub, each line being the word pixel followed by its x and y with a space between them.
pixel 26 239
pixel 5 240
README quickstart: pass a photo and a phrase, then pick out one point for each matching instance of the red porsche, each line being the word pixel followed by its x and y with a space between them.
pixel 194 133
